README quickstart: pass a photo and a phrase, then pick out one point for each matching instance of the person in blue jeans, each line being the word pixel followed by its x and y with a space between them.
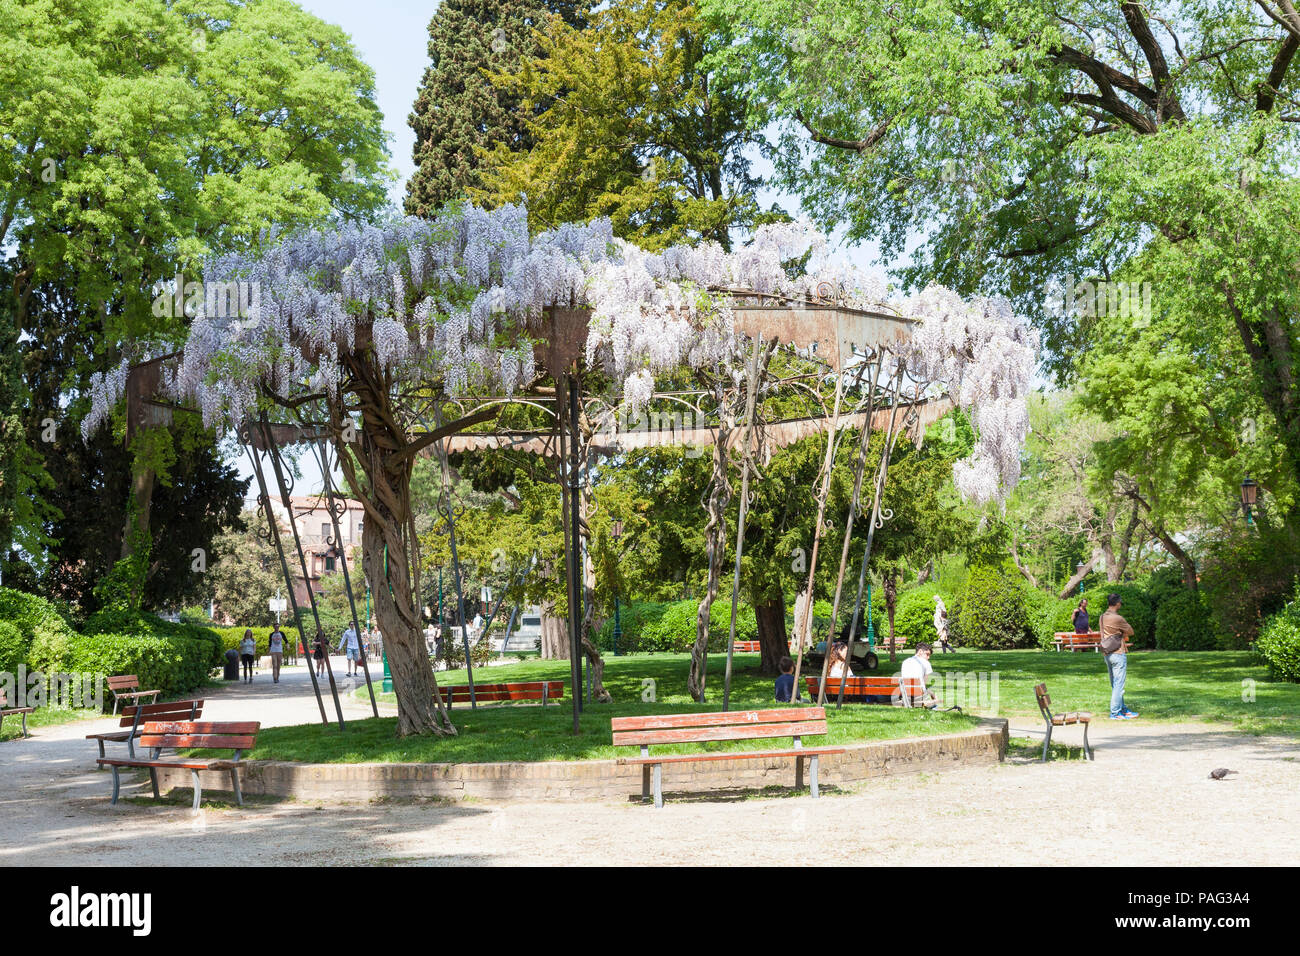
pixel 1115 631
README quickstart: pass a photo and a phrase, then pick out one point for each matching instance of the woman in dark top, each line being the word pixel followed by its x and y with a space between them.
pixel 1081 617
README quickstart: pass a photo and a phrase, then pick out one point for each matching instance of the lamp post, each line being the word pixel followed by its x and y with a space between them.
pixel 616 531
pixel 1078 569
pixel 1249 494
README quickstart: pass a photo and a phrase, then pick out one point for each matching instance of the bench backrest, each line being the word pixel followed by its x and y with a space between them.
pixel 733 725
pixel 880 686
pixel 516 690
pixel 1044 699
pixel 124 682
pixel 171 735
pixel 134 714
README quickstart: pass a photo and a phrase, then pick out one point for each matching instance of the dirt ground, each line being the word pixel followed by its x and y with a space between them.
pixel 1145 800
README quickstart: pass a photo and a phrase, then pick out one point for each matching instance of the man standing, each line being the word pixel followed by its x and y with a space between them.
pixel 1114 632
pixel 912 677
pixel 351 646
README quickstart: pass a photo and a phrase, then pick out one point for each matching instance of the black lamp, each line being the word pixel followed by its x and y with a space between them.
pixel 1249 494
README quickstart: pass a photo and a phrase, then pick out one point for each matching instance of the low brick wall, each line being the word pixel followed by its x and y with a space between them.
pixel 598 779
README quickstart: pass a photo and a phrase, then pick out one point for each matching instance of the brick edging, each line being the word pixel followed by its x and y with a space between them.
pixel 598 779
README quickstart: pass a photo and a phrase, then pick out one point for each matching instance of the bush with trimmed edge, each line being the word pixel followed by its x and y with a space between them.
pixel 674 631
pixel 13 647
pixel 32 614
pixel 914 616
pixel 121 621
pixel 1279 642
pixel 633 620
pixel 1046 613
pixel 994 615
pixel 1184 623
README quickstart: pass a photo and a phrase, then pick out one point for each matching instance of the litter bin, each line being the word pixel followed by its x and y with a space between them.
pixel 232 664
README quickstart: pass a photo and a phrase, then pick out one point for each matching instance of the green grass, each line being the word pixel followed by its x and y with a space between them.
pixel 1163 686
pixel 43 717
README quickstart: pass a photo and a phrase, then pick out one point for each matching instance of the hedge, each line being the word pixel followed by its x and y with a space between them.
pixel 914 616
pixel 13 647
pixel 1185 623
pixel 174 665
pixel 142 624
pixel 632 620
pixel 231 636
pixel 1279 642
pixel 675 630
pixel 994 612
pixel 1047 615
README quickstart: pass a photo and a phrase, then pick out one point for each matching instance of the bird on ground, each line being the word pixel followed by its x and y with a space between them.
pixel 1220 773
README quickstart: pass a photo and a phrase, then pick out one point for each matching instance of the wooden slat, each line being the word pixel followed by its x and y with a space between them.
pixel 724 719
pixel 199 741
pixel 731 755
pixel 125 680
pixel 176 709
pixel 679 735
pixel 182 764
pixel 201 727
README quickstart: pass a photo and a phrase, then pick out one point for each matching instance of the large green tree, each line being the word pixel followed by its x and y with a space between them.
pixel 627 120
pixel 135 139
pixel 457 110
pixel 1040 144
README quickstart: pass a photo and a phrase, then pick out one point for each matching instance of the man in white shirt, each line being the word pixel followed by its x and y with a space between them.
pixel 914 672
pixel 351 646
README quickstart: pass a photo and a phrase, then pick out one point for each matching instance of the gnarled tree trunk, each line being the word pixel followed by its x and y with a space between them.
pixel 715 539
pixel 555 634
pixel 773 642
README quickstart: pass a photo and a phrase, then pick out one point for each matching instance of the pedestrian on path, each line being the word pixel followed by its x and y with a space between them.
pixel 275 645
pixel 319 648
pixel 247 652
pixel 1114 631
pixel 350 645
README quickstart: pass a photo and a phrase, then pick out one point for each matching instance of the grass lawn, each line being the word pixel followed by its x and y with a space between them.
pixel 1161 685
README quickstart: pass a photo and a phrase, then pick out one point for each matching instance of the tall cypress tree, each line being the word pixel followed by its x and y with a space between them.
pixel 457 108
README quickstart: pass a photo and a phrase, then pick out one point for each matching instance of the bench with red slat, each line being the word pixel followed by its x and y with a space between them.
pixel 127 687
pixel 645 732
pixel 543 690
pixel 188 734
pixel 7 711
pixel 1091 641
pixel 856 688
pixel 1080 717
pixel 134 715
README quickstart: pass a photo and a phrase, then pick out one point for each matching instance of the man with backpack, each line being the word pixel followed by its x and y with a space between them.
pixel 1114 632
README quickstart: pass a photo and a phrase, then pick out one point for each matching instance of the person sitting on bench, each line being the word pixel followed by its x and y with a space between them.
pixel 785 682
pixel 839 663
pixel 915 670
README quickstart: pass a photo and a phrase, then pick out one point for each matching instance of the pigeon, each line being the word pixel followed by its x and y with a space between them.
pixel 1220 773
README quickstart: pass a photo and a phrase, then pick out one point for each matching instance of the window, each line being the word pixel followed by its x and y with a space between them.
pixel 329 563
pixel 324 530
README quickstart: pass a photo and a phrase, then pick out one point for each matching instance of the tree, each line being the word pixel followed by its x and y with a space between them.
pixel 626 119
pixel 245 573
pixel 138 138
pixel 457 110
pixel 1044 148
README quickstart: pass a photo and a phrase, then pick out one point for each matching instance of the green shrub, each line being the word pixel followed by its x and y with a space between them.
pixel 231 636
pixel 1165 582
pixel 195 615
pixel 633 619
pixel 1279 642
pixel 993 611
pixel 1184 623
pixel 172 664
pixel 675 630
pixel 914 615
pixel 32 614
pixel 1047 615
pixel 123 621
pixel 13 647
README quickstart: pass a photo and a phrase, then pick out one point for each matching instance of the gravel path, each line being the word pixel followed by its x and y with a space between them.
pixel 1146 800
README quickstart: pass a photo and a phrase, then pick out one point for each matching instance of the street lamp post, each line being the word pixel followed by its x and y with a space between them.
pixel 616 531
pixel 1249 494
pixel 1078 569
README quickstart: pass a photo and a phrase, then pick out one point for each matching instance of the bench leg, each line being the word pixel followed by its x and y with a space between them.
pixel 645 781
pixel 153 779
pixel 1087 751
pixel 234 785
pixel 815 789
pixel 798 773
pixel 1047 743
pixel 115 703
pixel 659 788
pixel 116 783
pixel 25 733
pixel 101 751
pixel 198 789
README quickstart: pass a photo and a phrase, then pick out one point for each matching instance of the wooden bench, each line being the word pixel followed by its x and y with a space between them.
pixel 748 647
pixel 543 690
pixel 1061 720
pixel 158 736
pixel 1081 642
pixel 645 732
pixel 127 687
pixel 7 711
pixel 135 715
pixel 858 689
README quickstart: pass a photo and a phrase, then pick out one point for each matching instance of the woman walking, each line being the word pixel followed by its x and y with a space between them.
pixel 247 650
pixel 318 652
pixel 275 645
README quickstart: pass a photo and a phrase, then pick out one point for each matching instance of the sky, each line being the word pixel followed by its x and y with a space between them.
pixel 392 37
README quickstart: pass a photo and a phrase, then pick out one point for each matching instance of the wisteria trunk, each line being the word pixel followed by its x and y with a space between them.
pixel 715 534
pixel 595 662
